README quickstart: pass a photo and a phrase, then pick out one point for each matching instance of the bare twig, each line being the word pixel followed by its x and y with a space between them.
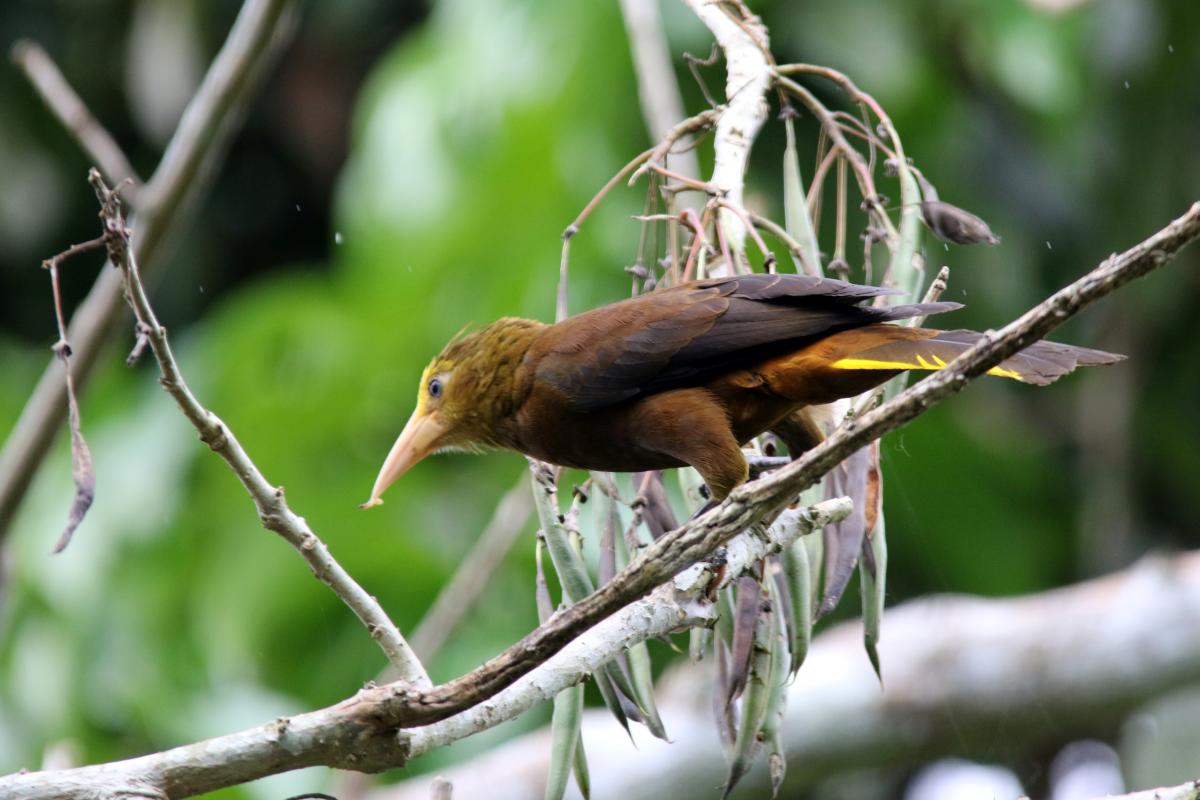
pixel 752 229
pixel 273 510
pixel 964 675
pixel 778 231
pixel 343 736
pixel 702 121
pixel 182 177
pixel 71 111
pixel 81 457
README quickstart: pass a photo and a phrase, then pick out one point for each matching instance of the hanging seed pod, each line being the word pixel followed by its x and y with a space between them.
pixel 747 605
pixel 795 207
pixel 583 777
pixel 800 578
pixel 777 764
pixel 564 739
pixel 756 696
pixel 722 711
pixel 781 659
pixel 636 661
pixel 642 678
pixel 843 540
pixel 873 582
pixel 955 225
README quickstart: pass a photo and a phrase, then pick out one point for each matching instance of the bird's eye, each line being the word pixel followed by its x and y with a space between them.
pixel 435 387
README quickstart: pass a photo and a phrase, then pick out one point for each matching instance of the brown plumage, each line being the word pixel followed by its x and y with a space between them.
pixel 682 376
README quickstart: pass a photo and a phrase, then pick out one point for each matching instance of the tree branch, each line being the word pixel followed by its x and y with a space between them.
pixel 964 677
pixel 273 510
pixel 71 111
pixel 348 735
pixel 181 179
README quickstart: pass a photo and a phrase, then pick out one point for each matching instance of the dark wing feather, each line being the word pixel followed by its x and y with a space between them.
pixel 679 336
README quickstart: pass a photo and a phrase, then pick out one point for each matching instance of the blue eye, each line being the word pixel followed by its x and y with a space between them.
pixel 435 387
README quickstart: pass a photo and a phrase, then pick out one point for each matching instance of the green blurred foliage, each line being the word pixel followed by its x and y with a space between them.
pixel 476 138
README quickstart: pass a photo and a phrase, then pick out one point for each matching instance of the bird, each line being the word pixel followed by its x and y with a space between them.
pixel 684 375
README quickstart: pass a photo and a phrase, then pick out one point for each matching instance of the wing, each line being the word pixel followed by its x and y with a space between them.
pixel 680 336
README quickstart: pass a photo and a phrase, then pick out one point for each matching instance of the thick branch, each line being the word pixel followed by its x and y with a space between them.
pixel 348 735
pixel 964 677
pixel 182 178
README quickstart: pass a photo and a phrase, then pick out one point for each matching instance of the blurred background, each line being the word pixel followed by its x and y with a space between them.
pixel 408 169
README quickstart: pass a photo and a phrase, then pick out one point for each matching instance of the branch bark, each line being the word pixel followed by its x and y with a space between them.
pixel 181 179
pixel 1085 657
pixel 347 735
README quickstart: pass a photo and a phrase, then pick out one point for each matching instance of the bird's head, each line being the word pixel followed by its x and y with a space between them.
pixel 464 397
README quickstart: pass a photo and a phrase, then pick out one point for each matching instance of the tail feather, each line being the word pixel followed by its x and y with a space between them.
pixel 1040 364
pixel 910 310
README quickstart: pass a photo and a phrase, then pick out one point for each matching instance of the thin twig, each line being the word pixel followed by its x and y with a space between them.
pixel 699 240
pixel 744 216
pixel 82 472
pixel 940 282
pixel 572 229
pixel 690 183
pixel 273 509
pixel 702 121
pixel 74 115
pixel 862 173
pixel 183 176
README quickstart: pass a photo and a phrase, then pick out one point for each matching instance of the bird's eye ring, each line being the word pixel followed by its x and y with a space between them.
pixel 435 387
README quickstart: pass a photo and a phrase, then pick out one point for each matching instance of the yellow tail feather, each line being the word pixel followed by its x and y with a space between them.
pixel 934 363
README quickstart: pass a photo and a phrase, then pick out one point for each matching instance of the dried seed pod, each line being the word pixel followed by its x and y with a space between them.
pixel 955 225
pixel 873 577
pixel 758 692
pixel 583 777
pixel 564 739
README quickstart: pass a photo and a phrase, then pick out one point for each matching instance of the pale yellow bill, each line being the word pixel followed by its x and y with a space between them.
pixel 419 438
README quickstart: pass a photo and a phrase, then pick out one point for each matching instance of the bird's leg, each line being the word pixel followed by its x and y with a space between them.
pixel 692 426
pixel 799 431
